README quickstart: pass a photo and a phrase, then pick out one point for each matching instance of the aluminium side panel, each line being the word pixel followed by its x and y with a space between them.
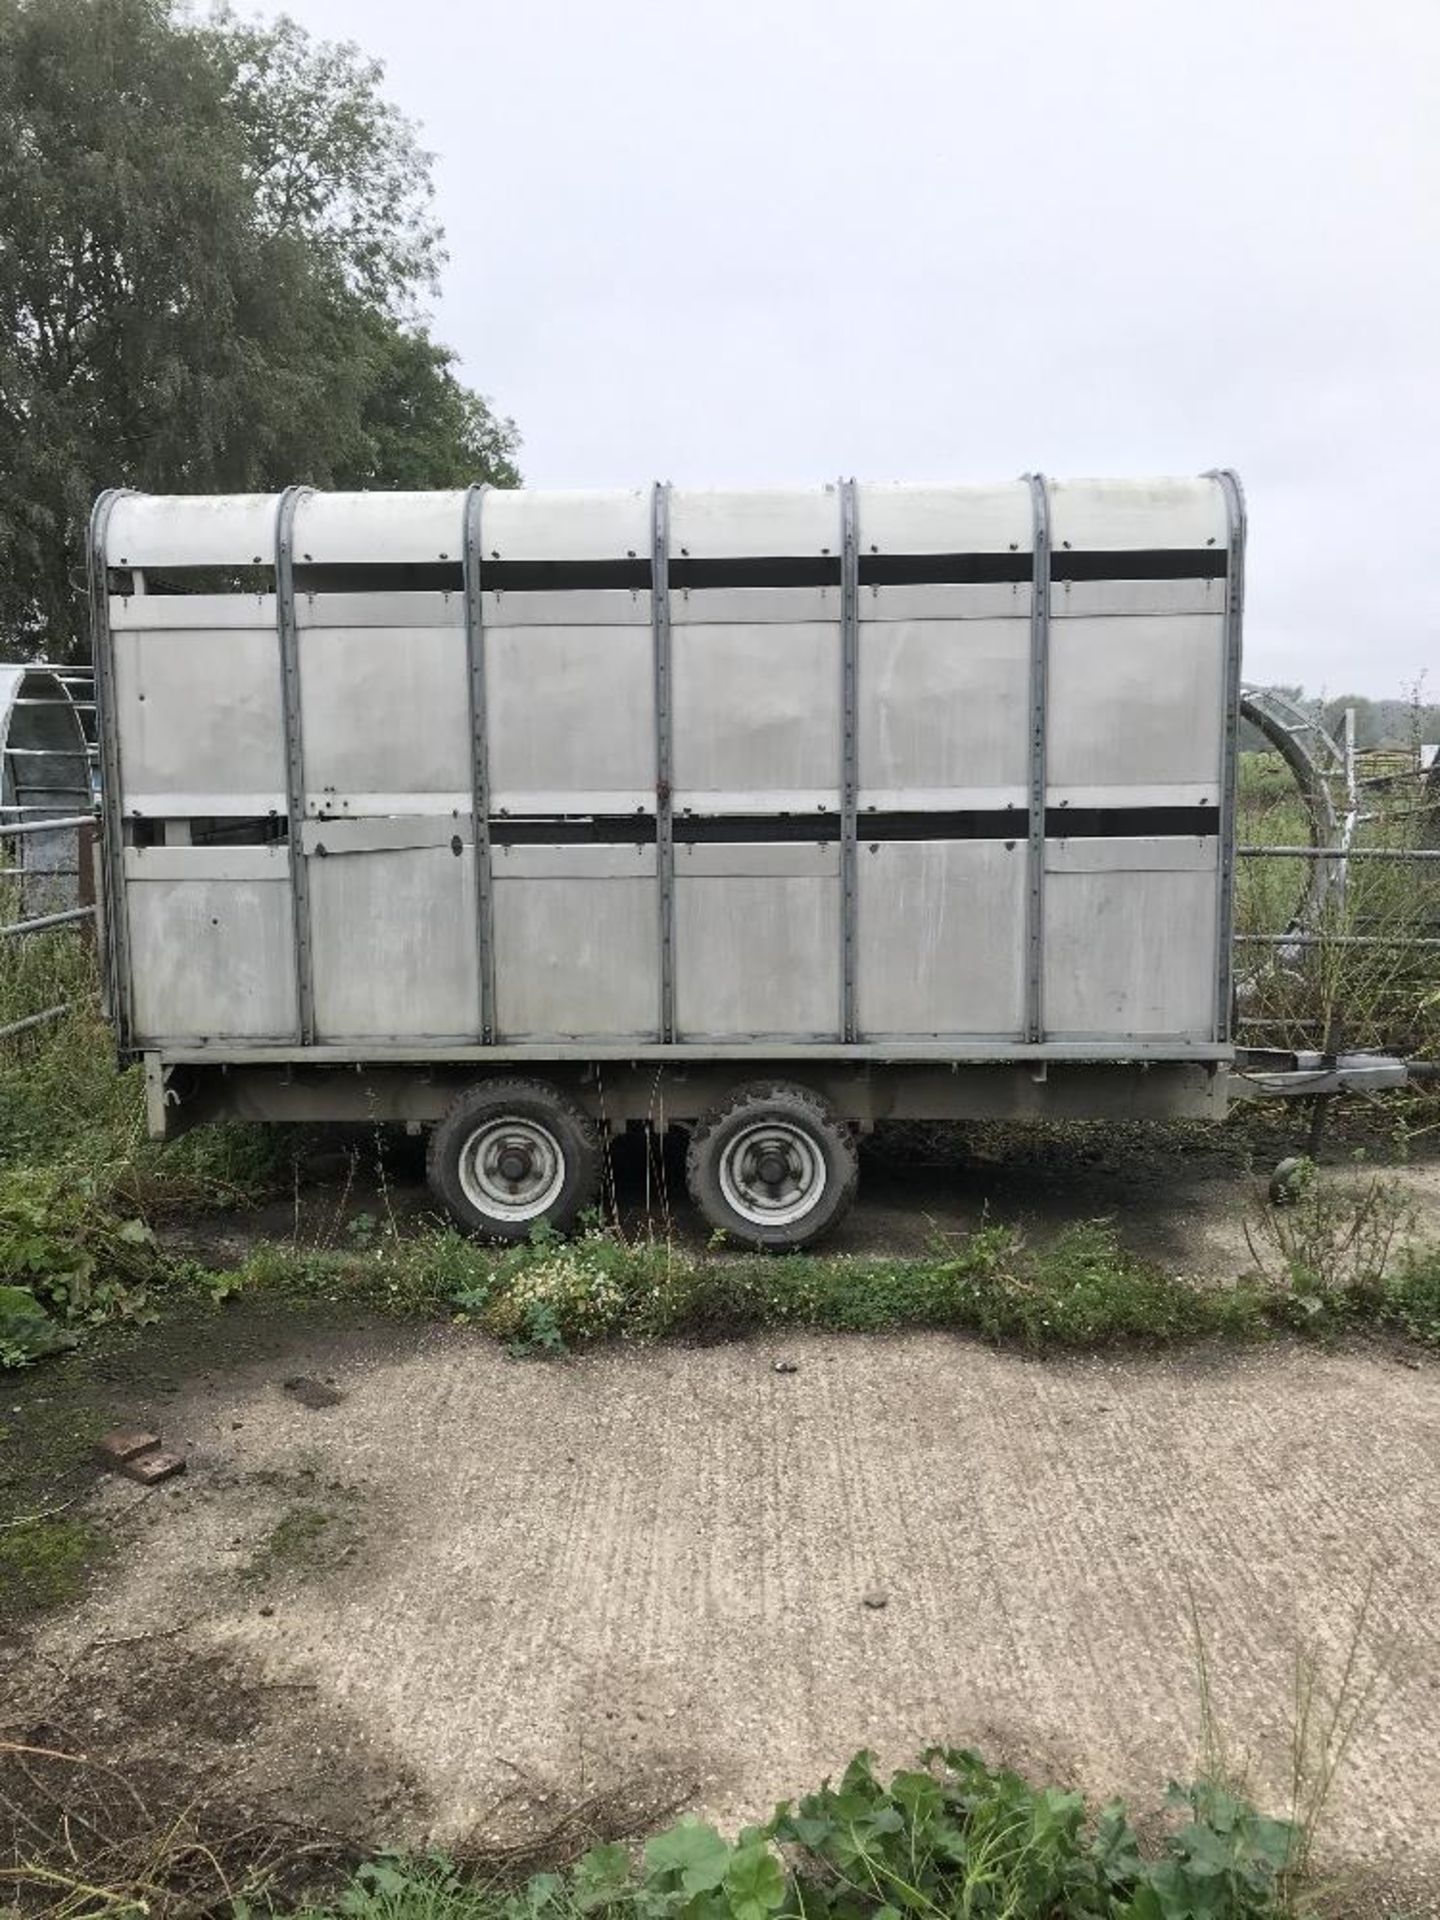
pixel 757 687
pixel 757 952
pixel 532 526
pixel 569 670
pixel 724 524
pixel 577 943
pixel 944 675
pixel 388 840
pixel 1137 643
pixel 570 704
pixel 1136 706
pixel 1139 682
pixel 193 730
pixel 379 529
pixel 941 935
pixel 383 674
pixel 210 935
pixel 943 706
pixel 757 716
pixel 393 947
pixel 191 530
pixel 198 706
pixel 384 712
pixel 755 611
pixel 1130 938
pixel 1138 515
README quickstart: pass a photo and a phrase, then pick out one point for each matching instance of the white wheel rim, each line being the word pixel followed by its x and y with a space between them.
pixel 512 1169
pixel 772 1174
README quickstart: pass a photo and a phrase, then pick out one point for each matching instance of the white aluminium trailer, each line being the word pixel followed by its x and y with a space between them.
pixel 526 815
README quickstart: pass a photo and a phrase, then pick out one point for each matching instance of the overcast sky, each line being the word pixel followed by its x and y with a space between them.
pixel 780 240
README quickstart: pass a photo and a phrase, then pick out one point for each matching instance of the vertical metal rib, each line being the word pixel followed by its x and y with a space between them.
pixel 1039 690
pixel 112 843
pixel 664 750
pixel 472 550
pixel 849 748
pixel 1234 493
pixel 294 755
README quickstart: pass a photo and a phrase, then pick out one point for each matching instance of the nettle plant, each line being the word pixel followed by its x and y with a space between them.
pixel 66 1260
pixel 954 1838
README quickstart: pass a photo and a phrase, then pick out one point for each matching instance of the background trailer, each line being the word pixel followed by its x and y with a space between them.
pixel 526 815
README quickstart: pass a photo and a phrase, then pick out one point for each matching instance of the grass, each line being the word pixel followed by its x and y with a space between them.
pixel 47 1445
pixel 1081 1290
pixel 1386 996
pixel 45 1561
pixel 64 1105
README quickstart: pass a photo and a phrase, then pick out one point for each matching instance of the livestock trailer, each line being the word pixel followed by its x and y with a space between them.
pixel 522 816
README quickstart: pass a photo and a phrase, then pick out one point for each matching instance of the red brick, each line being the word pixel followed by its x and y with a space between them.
pixel 125 1443
pixel 148 1468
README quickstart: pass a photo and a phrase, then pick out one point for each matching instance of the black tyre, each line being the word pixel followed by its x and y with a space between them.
pixel 772 1167
pixel 511 1155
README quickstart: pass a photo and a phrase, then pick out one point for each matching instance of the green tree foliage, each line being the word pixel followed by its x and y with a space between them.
pixel 213 241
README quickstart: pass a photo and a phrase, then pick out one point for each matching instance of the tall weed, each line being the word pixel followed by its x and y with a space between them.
pixel 1331 1243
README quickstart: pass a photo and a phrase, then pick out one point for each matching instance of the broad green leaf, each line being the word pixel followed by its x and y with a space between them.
pixel 885 1819
pixel 811 1830
pixel 1273 1840
pixel 754 1883
pixel 694 1851
pixel 1205 1851
pixel 917 1793
pixel 601 1874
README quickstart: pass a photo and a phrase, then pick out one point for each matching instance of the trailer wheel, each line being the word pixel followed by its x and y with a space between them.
pixel 772 1167
pixel 511 1155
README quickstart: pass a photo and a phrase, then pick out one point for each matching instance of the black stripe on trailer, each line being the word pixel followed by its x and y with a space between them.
pixel 810 829
pixel 1149 563
pixel 967 569
pixel 943 569
pixel 818 570
pixel 562 576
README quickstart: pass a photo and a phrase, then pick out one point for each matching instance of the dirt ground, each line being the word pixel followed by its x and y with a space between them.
pixel 423 1591
pixel 1180 1198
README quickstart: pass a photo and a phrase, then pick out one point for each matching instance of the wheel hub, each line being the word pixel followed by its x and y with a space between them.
pixel 512 1168
pixel 773 1173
